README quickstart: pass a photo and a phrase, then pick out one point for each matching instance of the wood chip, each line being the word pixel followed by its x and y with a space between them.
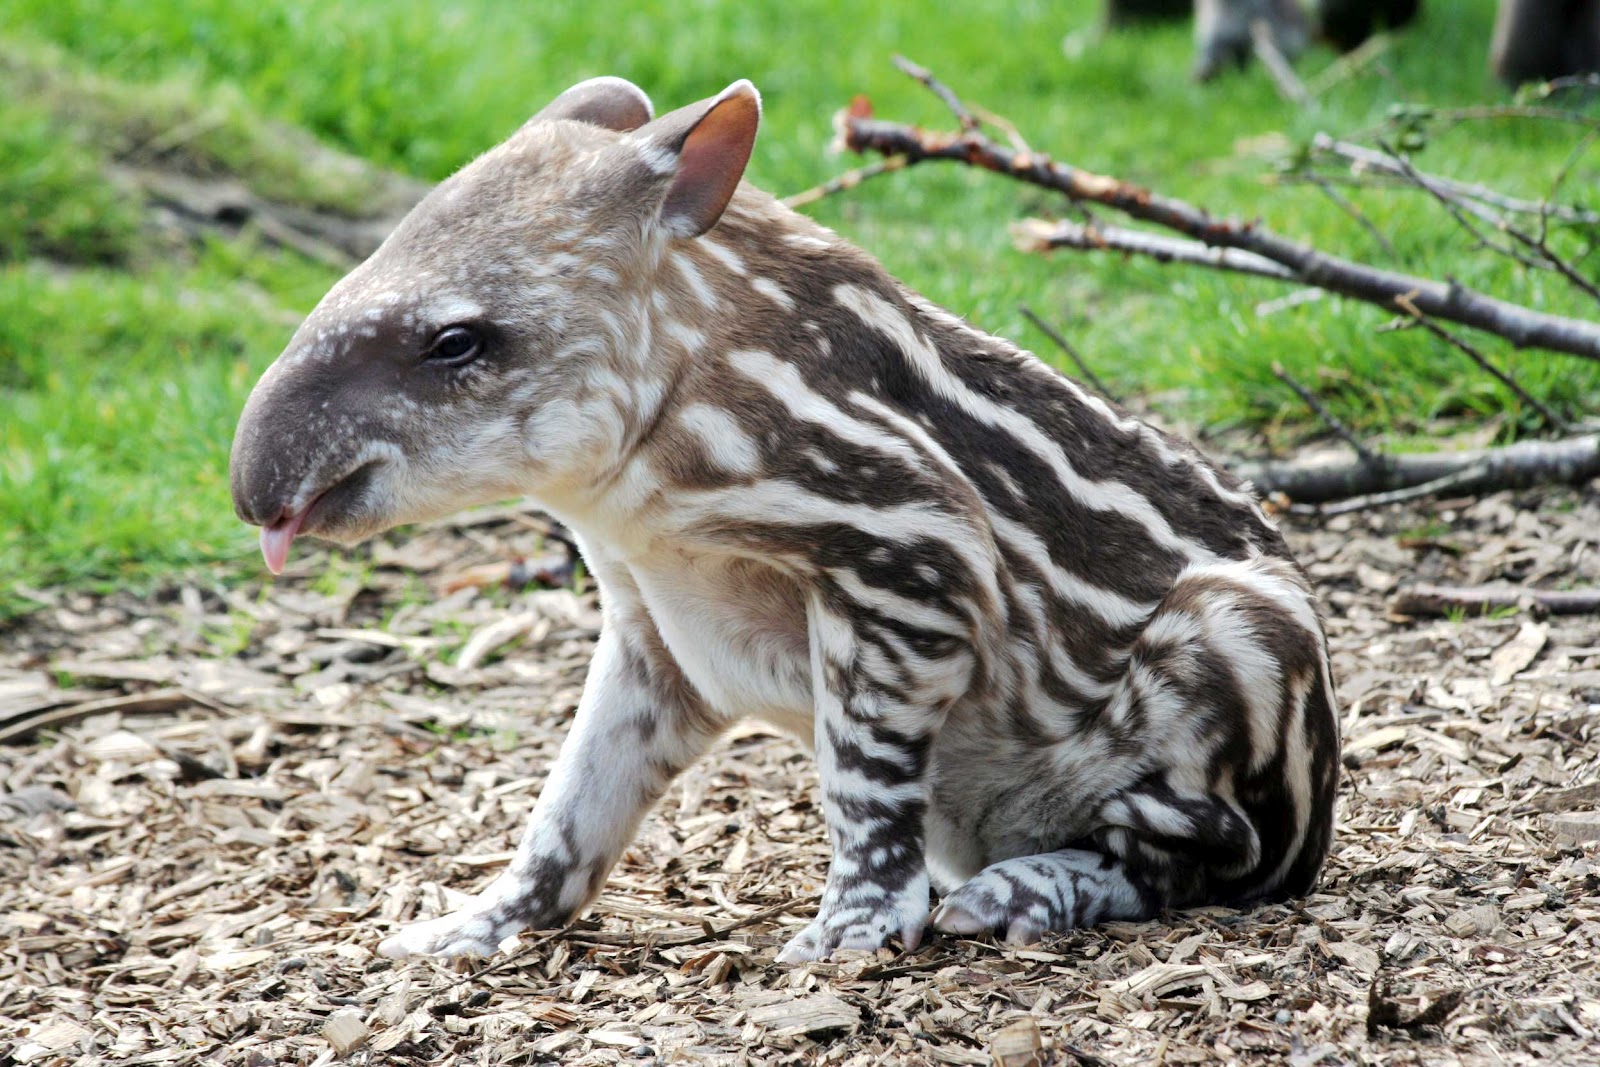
pixel 1575 829
pixel 806 1015
pixel 1513 657
pixel 345 1031
pixel 1018 1045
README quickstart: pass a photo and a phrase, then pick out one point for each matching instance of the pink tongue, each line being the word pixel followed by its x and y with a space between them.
pixel 275 541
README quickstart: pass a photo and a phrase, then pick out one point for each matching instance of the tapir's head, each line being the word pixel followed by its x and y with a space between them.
pixel 498 343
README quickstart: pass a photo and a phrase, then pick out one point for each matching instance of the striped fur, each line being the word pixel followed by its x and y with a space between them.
pixel 1051 662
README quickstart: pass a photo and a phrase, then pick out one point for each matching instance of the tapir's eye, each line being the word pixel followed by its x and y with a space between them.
pixel 455 345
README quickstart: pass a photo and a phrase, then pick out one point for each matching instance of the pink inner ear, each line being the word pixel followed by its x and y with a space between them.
pixel 710 165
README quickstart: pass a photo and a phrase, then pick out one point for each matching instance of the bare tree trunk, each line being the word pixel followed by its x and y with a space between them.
pixel 1122 12
pixel 1541 39
pixel 1222 32
pixel 1347 23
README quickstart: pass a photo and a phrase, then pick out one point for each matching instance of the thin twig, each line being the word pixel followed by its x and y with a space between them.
pixel 1458 211
pixel 1004 125
pixel 1547 206
pixel 844 182
pixel 1494 112
pixel 1293 300
pixel 1368 160
pixel 1543 256
pixel 1345 204
pixel 1541 241
pixel 1072 353
pixel 1368 457
pixel 969 122
pixel 1458 480
pixel 1522 326
pixel 1349 65
pixel 1288 83
pixel 1568 83
pixel 1549 415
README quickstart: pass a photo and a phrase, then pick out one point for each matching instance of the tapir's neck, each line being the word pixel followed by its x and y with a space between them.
pixel 766 305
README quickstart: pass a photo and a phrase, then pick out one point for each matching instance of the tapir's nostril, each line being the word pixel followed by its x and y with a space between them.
pixel 259 514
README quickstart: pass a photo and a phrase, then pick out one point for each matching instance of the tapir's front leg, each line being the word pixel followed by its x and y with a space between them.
pixel 638 725
pixel 874 730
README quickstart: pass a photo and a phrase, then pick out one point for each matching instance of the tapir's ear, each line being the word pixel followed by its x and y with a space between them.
pixel 615 103
pixel 704 147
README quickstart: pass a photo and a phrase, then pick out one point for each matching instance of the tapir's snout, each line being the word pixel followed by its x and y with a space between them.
pixel 302 463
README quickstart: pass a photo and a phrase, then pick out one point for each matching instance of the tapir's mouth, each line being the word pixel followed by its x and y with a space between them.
pixel 331 512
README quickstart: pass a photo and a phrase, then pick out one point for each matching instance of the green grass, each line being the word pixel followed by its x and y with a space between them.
pixel 123 366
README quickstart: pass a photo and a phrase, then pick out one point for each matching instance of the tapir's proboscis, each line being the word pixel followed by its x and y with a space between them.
pixel 1053 665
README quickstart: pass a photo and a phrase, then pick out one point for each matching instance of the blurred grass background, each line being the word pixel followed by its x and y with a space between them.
pixel 124 361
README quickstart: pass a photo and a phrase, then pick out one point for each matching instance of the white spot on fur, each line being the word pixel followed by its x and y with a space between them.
pixel 723 439
pixel 724 255
pixel 695 280
pixel 773 292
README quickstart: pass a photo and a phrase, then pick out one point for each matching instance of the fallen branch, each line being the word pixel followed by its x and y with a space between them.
pixel 1445 600
pixel 1523 327
pixel 157 701
pixel 1515 466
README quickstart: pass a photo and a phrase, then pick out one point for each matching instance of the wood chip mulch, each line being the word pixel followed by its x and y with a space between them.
pixel 215 802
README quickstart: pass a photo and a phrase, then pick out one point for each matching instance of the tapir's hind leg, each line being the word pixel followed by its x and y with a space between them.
pixel 1228 697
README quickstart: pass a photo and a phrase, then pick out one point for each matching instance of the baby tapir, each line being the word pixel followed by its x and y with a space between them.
pixel 1051 662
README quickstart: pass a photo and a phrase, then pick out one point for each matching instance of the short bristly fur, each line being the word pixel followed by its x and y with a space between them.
pixel 1047 656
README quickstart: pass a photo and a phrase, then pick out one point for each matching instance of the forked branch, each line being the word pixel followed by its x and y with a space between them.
pixel 1302 264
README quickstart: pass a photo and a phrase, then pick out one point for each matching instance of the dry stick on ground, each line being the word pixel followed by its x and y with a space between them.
pixel 1439 486
pixel 1485 599
pixel 1515 466
pixel 1066 347
pixel 1521 326
pixel 1544 410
